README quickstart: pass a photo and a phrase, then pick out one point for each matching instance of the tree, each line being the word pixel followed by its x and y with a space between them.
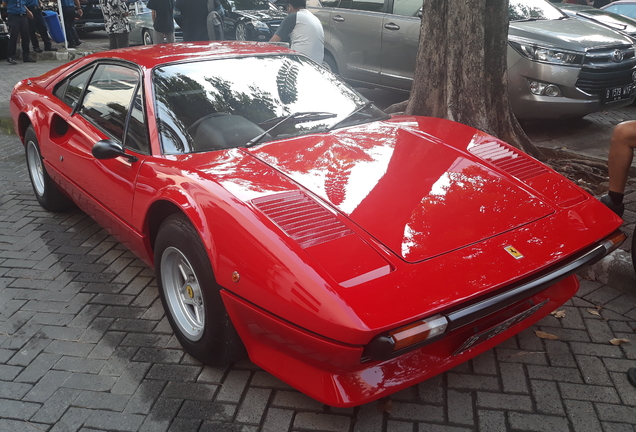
pixel 461 68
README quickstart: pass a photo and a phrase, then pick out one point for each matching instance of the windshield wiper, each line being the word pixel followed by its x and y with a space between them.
pixel 366 105
pixel 299 117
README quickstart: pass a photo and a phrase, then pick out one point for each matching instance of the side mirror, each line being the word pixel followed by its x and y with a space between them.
pixel 109 149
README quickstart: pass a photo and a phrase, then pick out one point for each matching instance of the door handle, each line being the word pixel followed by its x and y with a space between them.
pixel 391 26
pixel 338 18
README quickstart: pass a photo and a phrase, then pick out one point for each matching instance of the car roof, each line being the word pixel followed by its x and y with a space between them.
pixel 153 55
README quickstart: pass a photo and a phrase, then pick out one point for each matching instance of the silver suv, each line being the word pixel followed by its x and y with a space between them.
pixel 557 66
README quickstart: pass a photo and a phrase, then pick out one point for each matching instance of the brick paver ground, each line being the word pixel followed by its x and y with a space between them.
pixel 85 346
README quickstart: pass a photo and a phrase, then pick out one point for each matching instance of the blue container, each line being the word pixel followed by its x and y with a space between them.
pixel 52 22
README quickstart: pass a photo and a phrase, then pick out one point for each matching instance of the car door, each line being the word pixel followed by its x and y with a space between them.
pixel 400 39
pixel 356 31
pixel 106 102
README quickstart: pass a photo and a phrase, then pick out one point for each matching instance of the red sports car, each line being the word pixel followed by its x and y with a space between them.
pixel 350 253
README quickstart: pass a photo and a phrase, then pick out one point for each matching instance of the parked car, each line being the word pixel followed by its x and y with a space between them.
pixel 287 215
pixel 620 23
pixel 251 20
pixel 622 7
pixel 557 67
pixel 141 25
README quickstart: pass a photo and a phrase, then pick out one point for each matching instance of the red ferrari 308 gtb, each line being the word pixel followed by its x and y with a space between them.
pixel 350 253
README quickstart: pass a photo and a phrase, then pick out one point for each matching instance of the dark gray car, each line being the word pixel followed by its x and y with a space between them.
pixel 557 66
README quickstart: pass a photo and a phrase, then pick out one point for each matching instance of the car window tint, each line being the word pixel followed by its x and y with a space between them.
pixel 137 133
pixel 330 3
pixel 72 88
pixel 368 5
pixel 623 9
pixel 108 98
pixel 409 8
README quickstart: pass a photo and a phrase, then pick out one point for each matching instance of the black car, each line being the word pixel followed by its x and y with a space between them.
pixel 92 18
pixel 251 20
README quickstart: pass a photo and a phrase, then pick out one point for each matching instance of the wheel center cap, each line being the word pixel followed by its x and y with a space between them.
pixel 190 292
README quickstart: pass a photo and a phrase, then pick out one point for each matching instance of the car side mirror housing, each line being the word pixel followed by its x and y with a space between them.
pixel 109 149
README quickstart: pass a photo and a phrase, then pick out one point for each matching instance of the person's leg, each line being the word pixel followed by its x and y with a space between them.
pixel 69 22
pixel 41 28
pixel 621 155
pixel 24 36
pixel 14 34
pixel 112 41
pixel 32 28
pixel 122 40
pixel 620 158
pixel 157 37
pixel 170 37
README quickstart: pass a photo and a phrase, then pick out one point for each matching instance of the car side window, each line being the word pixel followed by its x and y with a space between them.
pixel 71 89
pixel 330 3
pixel 409 8
pixel 367 5
pixel 108 98
pixel 137 133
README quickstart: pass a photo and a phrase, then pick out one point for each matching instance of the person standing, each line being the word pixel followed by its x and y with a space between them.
pixel 18 16
pixel 71 9
pixel 162 19
pixel 303 29
pixel 215 20
pixel 116 22
pixel 37 25
pixel 194 15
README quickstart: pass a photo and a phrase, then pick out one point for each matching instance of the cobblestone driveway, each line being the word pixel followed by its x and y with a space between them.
pixel 84 345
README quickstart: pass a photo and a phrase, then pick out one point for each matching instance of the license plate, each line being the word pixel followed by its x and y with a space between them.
pixel 618 93
pixel 499 328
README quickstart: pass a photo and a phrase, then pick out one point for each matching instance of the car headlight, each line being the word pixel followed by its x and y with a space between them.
pixel 260 25
pixel 547 54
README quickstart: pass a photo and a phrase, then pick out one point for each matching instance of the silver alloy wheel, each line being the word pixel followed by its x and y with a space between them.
pixel 147 37
pixel 183 293
pixel 35 167
pixel 241 32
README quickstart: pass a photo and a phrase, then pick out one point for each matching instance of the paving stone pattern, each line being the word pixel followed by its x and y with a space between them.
pixel 85 346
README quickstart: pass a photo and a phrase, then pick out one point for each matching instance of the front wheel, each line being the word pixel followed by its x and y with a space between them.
pixel 47 193
pixel 190 295
pixel 241 32
pixel 147 37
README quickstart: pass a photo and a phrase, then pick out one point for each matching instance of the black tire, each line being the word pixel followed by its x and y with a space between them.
pixel 191 296
pixel 47 193
pixel 241 32
pixel 329 62
pixel 146 37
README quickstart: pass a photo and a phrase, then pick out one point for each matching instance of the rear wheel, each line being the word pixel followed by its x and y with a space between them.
pixel 190 295
pixel 46 191
pixel 241 32
pixel 147 37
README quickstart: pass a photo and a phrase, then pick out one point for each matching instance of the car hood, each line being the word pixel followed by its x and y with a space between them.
pixel 418 196
pixel 612 20
pixel 262 15
pixel 571 33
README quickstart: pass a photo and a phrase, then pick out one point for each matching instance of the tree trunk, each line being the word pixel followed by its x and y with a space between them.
pixel 461 68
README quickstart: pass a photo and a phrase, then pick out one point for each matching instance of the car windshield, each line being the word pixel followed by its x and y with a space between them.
pixel 531 10
pixel 251 4
pixel 226 103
